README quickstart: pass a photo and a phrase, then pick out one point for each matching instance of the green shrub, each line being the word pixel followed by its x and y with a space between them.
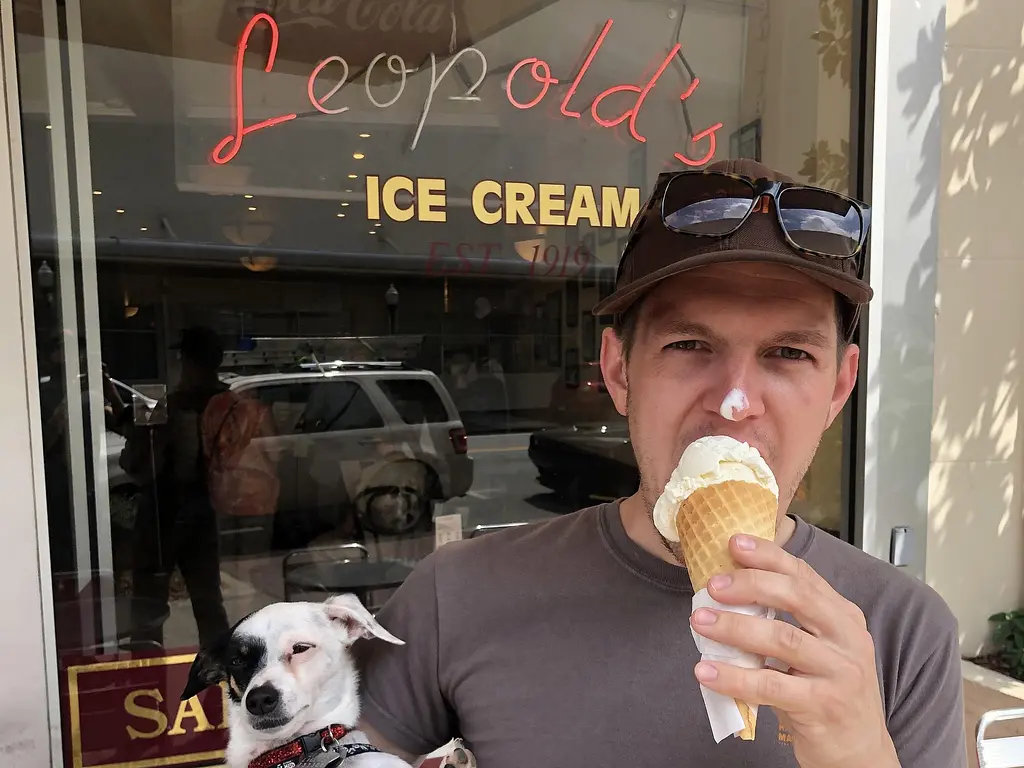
pixel 1008 639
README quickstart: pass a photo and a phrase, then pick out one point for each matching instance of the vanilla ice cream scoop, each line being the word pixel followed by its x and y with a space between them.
pixel 709 461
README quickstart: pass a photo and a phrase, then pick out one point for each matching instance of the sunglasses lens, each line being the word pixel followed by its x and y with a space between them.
pixel 821 222
pixel 707 204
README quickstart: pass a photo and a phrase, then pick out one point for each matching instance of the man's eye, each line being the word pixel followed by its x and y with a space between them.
pixel 789 353
pixel 301 648
pixel 687 345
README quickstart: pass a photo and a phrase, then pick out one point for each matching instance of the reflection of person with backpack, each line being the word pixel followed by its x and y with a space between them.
pixel 176 524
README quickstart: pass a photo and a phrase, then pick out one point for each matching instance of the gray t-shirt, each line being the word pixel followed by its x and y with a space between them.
pixel 566 644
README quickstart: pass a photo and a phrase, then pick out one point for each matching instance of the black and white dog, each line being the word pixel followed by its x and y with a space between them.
pixel 293 686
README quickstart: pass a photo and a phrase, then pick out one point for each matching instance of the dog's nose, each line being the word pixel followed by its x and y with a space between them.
pixel 262 700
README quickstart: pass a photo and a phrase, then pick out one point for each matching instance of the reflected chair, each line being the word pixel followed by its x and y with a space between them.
pixel 482 529
pixel 336 553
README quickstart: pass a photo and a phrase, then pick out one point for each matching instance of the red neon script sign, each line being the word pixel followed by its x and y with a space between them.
pixel 233 141
pixel 540 70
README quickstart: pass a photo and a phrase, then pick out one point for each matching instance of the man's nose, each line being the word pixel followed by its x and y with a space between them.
pixel 262 700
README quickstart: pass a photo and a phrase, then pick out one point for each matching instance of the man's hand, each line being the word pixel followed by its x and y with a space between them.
pixel 830 699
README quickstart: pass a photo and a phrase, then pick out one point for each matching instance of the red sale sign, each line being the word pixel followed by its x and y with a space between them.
pixel 127 713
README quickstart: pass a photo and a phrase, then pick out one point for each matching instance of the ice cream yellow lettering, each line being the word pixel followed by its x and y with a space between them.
pixel 431 200
pixel 619 211
pixel 389 195
pixel 480 193
pixel 519 196
pixel 583 206
pixel 552 205
pixel 372 198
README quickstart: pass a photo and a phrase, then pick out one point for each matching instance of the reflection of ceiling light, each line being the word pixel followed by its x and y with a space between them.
pixel 49 127
pixel 358 155
pixel 344 205
pixel 252 207
pixel 258 262
pixel 96 192
pixel 353 176
pixel 120 210
pixel 129 309
pixel 373 231
pixel 143 229
pixel 248 197
pixel 528 249
pixel 341 215
pixel 361 135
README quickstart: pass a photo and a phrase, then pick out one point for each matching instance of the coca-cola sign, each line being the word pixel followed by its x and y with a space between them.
pixel 315 29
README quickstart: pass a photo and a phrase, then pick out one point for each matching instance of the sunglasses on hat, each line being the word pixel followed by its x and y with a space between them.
pixel 698 218
pixel 814 220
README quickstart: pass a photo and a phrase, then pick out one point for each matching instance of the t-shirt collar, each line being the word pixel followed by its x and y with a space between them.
pixel 647 566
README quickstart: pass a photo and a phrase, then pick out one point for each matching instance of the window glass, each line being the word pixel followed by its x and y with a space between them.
pixel 336 406
pixel 415 400
pixel 428 194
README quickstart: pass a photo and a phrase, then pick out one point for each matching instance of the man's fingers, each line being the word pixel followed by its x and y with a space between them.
pixel 829 608
pixel 811 607
pixel 788 693
pixel 754 552
pixel 767 637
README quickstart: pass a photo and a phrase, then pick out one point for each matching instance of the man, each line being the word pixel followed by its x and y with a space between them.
pixel 569 643
pixel 176 525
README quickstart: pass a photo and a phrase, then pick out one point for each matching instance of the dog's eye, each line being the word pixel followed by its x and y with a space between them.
pixel 300 648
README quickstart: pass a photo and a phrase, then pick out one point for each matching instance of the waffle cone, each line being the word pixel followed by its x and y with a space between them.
pixel 705 521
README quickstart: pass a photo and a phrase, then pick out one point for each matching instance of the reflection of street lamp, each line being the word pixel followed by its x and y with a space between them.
pixel 45 276
pixel 391 299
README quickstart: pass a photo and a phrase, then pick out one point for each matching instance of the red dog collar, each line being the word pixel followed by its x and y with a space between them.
pixel 295 750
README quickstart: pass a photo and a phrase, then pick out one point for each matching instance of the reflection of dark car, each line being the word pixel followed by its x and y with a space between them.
pixel 587 462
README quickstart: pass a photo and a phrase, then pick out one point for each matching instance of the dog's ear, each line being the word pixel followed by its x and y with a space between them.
pixel 352 617
pixel 208 668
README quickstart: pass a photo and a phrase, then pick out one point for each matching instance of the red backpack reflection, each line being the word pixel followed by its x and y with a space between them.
pixel 241 475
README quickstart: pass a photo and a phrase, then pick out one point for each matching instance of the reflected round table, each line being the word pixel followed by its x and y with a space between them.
pixel 360 577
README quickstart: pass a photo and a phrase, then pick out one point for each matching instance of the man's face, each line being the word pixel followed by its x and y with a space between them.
pixel 766 330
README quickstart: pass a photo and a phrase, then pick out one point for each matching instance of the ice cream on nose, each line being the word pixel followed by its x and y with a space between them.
pixel 735 401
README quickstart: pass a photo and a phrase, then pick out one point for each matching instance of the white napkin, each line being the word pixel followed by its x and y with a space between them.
pixel 723 713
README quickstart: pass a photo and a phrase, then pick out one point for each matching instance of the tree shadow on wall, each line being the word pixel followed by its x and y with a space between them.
pixel 974 496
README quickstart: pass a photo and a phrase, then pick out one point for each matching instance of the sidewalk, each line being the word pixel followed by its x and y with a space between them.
pixel 998 692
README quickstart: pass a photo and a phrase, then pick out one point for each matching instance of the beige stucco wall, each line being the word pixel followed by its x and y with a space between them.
pixel 976 529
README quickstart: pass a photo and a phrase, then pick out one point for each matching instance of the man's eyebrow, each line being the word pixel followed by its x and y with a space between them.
pixel 689 328
pixel 807 337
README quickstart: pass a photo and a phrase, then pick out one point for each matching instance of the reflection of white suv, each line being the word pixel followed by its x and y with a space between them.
pixel 378 438
pixel 385 439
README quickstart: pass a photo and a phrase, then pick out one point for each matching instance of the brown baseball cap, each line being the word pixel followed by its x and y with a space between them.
pixel 656 252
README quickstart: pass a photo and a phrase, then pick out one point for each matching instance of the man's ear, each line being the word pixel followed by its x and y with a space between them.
pixel 209 668
pixel 351 616
pixel 613 369
pixel 846 378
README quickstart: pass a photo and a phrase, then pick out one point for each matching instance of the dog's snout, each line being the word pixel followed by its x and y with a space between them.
pixel 262 700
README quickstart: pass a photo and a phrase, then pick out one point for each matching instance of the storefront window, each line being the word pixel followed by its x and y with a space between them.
pixel 312 290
